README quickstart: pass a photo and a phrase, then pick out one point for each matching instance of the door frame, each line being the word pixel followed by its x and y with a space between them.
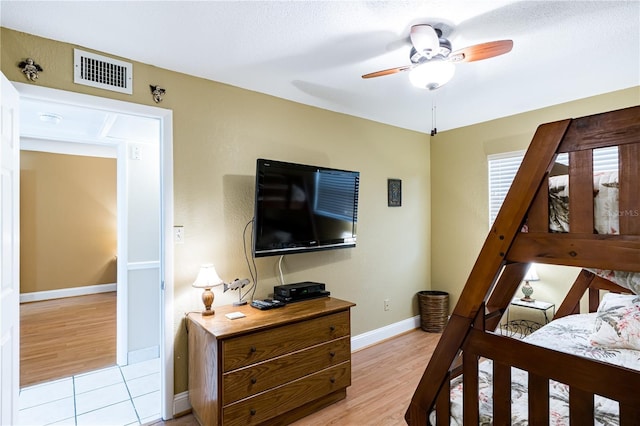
pixel 165 118
pixel 10 248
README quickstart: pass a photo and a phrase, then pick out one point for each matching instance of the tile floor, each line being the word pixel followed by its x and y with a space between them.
pixel 114 396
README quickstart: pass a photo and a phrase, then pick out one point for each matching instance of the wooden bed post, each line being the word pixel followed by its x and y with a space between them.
pixel 571 303
pixel 503 292
pixel 586 280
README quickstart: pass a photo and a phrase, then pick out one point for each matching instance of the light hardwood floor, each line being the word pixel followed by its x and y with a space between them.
pixel 383 379
pixel 63 337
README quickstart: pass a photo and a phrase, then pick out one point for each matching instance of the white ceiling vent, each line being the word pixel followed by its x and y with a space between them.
pixel 102 72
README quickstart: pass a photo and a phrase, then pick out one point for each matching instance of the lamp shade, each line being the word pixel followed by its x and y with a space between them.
pixel 207 277
pixel 432 74
pixel 531 274
pixel 526 288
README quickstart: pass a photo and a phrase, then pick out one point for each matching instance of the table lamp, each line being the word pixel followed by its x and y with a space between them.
pixel 527 290
pixel 207 279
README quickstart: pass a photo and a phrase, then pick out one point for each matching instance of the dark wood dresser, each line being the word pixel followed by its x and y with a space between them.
pixel 272 366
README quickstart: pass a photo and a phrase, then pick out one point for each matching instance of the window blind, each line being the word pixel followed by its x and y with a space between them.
pixel 503 168
pixel 604 159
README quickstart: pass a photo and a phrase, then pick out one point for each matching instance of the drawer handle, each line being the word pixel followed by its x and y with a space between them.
pixel 254 380
pixel 332 327
pixel 332 354
pixel 252 349
pixel 332 380
pixel 252 412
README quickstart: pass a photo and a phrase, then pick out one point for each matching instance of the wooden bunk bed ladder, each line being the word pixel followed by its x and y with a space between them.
pixel 520 235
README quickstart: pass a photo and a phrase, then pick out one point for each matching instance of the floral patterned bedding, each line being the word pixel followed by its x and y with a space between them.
pixel 628 280
pixel 571 334
pixel 606 215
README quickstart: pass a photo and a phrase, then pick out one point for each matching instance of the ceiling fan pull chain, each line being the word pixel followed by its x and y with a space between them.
pixel 434 130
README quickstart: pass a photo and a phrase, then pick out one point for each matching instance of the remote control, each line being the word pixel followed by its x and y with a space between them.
pixel 264 305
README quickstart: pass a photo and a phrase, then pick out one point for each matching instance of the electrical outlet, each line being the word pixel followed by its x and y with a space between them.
pixel 386 304
pixel 178 234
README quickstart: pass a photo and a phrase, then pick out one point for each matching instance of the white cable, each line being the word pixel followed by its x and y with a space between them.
pixel 253 272
pixel 280 268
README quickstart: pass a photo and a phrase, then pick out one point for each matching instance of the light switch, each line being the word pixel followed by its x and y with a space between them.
pixel 178 234
pixel 136 152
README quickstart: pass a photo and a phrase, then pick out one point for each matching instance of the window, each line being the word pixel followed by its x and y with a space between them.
pixel 604 159
pixel 503 168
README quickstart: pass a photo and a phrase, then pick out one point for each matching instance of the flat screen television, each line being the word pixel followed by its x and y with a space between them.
pixel 302 208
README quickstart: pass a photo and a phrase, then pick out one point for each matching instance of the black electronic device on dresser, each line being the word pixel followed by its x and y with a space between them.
pixel 299 291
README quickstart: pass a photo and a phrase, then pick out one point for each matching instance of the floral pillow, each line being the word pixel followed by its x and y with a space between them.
pixel 618 322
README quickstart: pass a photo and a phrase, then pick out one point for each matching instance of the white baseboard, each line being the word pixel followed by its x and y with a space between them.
pixel 375 336
pixel 152 352
pixel 37 296
pixel 181 402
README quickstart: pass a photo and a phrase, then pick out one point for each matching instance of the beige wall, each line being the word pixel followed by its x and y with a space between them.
pixel 219 131
pixel 459 185
pixel 68 223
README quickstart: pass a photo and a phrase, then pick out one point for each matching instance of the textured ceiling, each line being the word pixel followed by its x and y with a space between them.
pixel 314 52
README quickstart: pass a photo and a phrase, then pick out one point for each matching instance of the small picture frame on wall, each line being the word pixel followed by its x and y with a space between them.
pixel 394 192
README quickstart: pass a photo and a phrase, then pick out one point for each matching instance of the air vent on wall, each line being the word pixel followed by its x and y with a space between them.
pixel 102 72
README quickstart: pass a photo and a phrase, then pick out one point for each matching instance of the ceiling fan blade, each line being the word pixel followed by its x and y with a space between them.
pixel 388 71
pixel 481 51
pixel 425 39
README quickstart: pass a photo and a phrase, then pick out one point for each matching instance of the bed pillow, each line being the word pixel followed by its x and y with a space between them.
pixel 617 324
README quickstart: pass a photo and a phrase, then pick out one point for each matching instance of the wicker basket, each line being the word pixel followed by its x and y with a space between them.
pixel 434 310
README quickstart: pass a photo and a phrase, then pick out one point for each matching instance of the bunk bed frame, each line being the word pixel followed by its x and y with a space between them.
pixel 520 235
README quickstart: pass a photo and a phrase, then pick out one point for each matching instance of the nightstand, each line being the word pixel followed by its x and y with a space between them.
pixel 522 327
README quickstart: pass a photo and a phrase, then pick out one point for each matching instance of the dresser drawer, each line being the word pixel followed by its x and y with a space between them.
pixel 244 382
pixel 274 402
pixel 244 350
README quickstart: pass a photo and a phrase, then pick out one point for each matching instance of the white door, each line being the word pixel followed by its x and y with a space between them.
pixel 9 252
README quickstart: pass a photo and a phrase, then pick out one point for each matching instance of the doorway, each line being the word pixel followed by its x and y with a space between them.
pixel 68 245
pixel 133 265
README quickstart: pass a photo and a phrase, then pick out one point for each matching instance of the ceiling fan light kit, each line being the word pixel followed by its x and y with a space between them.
pixel 432 74
pixel 432 62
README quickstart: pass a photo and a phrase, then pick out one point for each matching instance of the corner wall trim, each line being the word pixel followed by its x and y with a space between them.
pixel 151 264
pixel 375 336
pixel 37 296
pixel 181 404
pixel 145 354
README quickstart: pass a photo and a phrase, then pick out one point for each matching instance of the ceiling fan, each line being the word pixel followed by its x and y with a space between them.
pixel 432 62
